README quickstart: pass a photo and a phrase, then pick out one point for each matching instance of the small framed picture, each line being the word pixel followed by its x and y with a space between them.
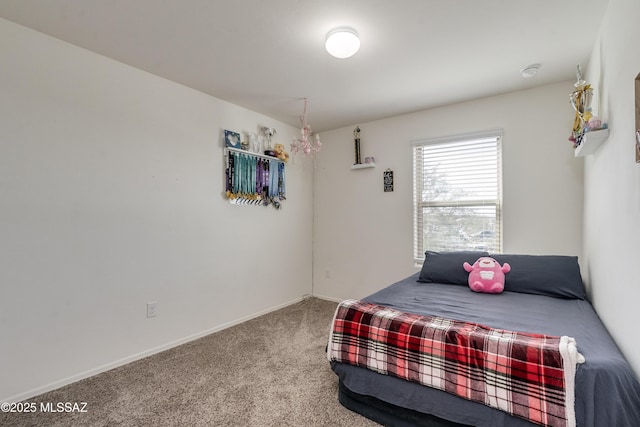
pixel 388 180
pixel 231 139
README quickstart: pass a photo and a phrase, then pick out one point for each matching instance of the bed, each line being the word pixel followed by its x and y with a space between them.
pixel 543 295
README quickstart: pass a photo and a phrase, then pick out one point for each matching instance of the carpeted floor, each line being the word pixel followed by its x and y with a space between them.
pixel 269 371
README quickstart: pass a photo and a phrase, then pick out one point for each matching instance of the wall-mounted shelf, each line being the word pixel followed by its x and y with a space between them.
pixel 363 166
pixel 250 153
pixel 590 142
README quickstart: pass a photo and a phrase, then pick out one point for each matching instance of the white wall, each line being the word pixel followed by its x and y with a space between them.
pixel 612 181
pixel 363 237
pixel 111 183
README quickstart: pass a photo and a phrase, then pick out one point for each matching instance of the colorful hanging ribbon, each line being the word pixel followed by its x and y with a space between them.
pixel 254 180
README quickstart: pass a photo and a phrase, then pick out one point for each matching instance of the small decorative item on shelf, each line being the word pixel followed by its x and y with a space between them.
pixel 594 123
pixel 580 100
pixel 584 121
pixel 232 139
pixel 369 162
pixel 269 133
pixel 281 153
pixel 254 143
pixel 356 137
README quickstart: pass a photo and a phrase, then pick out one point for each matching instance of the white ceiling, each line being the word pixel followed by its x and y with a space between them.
pixel 268 56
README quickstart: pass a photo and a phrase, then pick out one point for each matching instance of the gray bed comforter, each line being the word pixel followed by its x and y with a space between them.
pixel 607 389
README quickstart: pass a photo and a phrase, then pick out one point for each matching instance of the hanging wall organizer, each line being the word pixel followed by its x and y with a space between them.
pixel 254 179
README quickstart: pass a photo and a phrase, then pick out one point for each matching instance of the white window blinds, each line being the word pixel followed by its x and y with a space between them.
pixel 458 194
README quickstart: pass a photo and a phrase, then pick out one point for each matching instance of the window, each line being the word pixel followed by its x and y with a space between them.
pixel 458 194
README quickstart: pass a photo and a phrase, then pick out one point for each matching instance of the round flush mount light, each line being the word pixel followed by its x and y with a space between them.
pixel 530 71
pixel 342 42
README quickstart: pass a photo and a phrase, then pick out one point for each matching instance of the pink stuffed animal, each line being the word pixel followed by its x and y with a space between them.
pixel 486 275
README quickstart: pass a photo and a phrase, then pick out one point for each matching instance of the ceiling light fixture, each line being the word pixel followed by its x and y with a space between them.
pixel 342 42
pixel 530 71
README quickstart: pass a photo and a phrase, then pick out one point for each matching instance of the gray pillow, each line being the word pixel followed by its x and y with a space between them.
pixel 446 267
pixel 551 275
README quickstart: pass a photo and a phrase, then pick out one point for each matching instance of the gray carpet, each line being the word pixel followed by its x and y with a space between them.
pixel 269 371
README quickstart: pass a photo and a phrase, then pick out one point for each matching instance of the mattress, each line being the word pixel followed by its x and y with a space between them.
pixel 607 390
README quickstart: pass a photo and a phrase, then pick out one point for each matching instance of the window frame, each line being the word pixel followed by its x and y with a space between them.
pixel 419 205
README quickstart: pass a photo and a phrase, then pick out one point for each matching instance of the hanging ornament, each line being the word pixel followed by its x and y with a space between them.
pixel 308 142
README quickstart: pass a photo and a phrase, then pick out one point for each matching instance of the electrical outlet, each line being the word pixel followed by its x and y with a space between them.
pixel 152 309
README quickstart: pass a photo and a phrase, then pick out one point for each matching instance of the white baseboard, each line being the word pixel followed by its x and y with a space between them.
pixel 338 300
pixel 115 364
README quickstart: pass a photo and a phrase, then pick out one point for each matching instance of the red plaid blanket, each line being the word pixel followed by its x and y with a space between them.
pixel 527 375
